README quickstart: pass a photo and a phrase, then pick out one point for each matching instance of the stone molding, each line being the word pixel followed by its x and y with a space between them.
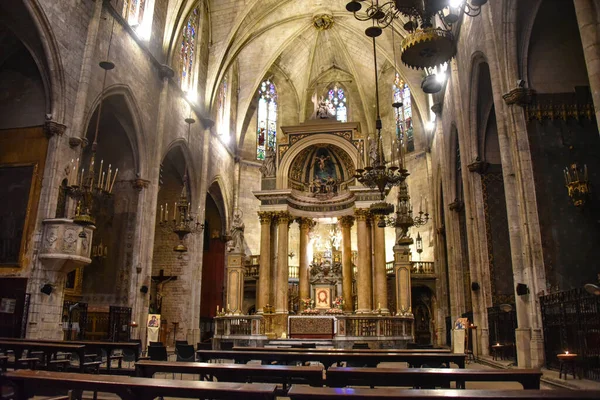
pixel 75 141
pixel 140 183
pixel 265 217
pixel 306 223
pixel 362 214
pixel 284 217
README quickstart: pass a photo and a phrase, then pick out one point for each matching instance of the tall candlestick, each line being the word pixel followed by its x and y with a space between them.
pixel 175 211
pixel 113 182
pixel 81 178
pixel 108 177
pixel 100 174
pixel 162 213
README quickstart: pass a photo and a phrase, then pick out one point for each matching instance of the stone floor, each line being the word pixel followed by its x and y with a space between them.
pixel 550 379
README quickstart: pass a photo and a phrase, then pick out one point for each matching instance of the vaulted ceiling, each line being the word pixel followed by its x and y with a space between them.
pixel 261 35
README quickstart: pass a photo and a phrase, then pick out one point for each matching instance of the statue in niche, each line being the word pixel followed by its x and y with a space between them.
pixel 237 232
pixel 373 153
pixel 268 167
pixel 323 108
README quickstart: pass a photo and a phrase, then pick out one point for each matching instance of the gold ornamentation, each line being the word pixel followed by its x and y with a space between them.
pixel 362 214
pixel 265 217
pixel 427 48
pixel 519 96
pixel 346 221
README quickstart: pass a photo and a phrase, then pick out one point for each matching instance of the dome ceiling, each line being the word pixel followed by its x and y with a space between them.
pixel 267 35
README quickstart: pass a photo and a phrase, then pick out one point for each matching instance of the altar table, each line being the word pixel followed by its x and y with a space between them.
pixel 312 326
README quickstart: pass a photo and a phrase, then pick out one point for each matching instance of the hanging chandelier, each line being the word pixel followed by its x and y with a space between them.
pixel 425 46
pixel 182 222
pixel 92 190
pixel 379 173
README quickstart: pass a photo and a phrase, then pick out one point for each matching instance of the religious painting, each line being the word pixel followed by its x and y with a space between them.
pixel 153 321
pixel 7 305
pixel 14 200
pixel 324 165
pixel 323 297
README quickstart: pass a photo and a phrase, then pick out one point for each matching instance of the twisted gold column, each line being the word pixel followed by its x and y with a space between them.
pixel 346 222
pixel 364 278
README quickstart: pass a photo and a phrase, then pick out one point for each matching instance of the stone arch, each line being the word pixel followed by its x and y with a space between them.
pixel 134 128
pixel 193 178
pixel 217 190
pixel 285 163
pixel 474 144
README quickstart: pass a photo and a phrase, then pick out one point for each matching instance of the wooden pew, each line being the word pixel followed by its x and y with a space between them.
pixel 3 363
pixel 244 373
pixel 429 377
pixel 48 348
pixel 92 346
pixel 313 350
pixel 30 383
pixel 313 393
pixel 415 360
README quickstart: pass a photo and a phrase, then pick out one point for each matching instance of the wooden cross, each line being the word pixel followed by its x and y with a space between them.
pixel 160 280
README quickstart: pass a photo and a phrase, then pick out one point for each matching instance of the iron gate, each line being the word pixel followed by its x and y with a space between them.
pixel 119 320
pixel 502 325
pixel 571 322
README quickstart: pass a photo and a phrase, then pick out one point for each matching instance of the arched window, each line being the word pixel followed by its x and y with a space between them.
pixel 188 50
pixel 266 133
pixel 404 125
pixel 337 97
pixel 222 114
pixel 138 14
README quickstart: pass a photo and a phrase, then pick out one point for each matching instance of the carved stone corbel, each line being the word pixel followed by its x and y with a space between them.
pixel 519 96
pixel 457 205
pixel 140 183
pixel 478 166
pixel 53 128
pixel 166 72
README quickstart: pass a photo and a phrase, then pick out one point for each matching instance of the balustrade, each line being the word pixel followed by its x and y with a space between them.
pixel 371 326
pixel 417 268
pixel 232 325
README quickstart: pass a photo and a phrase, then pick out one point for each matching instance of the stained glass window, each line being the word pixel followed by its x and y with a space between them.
pixel 401 94
pixel 337 97
pixel 138 14
pixel 188 50
pixel 223 115
pixel 266 134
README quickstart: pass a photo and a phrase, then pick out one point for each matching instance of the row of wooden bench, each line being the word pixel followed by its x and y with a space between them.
pixel 31 383
pixel 340 376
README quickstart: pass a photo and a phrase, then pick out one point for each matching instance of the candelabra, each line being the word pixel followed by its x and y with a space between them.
pixel 92 191
pixel 379 173
pixel 577 183
pixel 183 222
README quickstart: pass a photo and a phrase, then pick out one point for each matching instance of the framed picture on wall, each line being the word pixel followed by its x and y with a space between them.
pixel 7 305
pixel 322 297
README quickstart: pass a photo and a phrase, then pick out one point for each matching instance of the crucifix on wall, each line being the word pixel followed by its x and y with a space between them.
pixel 158 287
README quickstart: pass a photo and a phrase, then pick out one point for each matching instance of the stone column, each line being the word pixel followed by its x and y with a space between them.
pixel 586 12
pixel 235 283
pixel 402 267
pixel 364 279
pixel 380 284
pixel 264 272
pixel 346 222
pixel 281 286
pixel 306 225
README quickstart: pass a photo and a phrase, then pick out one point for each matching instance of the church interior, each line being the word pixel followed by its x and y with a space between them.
pixel 391 179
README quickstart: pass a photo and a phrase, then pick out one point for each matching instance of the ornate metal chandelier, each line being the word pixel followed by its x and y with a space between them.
pixel 381 174
pixel 425 46
pixel 183 222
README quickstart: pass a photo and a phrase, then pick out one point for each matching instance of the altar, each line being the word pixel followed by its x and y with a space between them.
pixel 312 326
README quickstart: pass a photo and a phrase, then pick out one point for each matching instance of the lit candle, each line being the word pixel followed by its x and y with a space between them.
pixel 167 211
pixel 378 306
pixel 73 175
pixel 108 177
pixel 162 213
pixel 567 352
pixel 81 179
pixel 228 309
pixel 217 309
pixel 175 212
pixel 100 174
pixel 76 169
pixel 113 181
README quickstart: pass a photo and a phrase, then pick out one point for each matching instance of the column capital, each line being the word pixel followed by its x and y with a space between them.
pixel 283 217
pixel 265 217
pixel 306 223
pixel 346 221
pixel 362 214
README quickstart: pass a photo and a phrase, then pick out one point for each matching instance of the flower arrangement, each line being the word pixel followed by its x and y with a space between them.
pixel 308 305
pixel 334 310
pixel 338 302
pixel 311 311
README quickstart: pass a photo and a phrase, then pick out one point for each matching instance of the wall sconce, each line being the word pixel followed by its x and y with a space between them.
pixel 578 186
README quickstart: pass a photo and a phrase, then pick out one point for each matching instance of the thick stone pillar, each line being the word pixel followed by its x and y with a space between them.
pixel 364 279
pixel 263 290
pixel 283 273
pixel 235 283
pixel 380 284
pixel 402 267
pixel 306 225
pixel 587 15
pixel 346 222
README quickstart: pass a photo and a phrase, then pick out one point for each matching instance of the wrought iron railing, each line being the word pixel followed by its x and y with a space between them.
pixel 571 322
pixel 502 325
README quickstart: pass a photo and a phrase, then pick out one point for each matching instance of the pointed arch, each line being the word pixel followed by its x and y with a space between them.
pixel 192 171
pixel 266 130
pixel 217 190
